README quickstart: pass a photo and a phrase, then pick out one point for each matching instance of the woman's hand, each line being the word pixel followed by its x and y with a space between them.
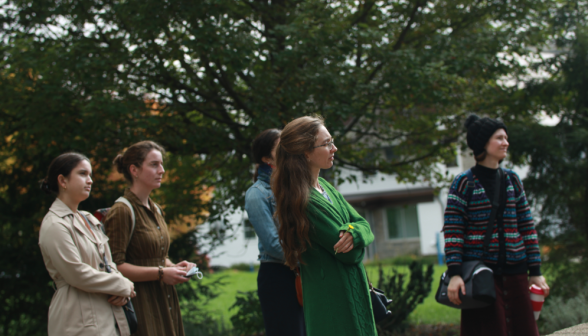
pixel 121 300
pixel 539 281
pixel 133 293
pixel 455 285
pixel 118 301
pixel 345 244
pixel 185 265
pixel 173 276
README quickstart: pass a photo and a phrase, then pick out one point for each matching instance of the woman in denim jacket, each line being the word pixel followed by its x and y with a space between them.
pixel 282 315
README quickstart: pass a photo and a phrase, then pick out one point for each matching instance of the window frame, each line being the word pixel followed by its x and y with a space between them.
pixel 247 228
pixel 386 226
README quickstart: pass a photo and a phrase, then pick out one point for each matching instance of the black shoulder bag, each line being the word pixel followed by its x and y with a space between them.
pixel 128 307
pixel 380 302
pixel 477 277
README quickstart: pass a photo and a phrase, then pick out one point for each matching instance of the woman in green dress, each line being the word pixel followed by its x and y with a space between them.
pixel 323 233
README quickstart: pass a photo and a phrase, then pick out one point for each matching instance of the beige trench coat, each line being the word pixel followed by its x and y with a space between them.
pixel 74 259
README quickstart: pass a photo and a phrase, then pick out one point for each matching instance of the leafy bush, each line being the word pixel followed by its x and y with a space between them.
pixel 248 321
pixel 405 296
pixel 194 296
pixel 559 313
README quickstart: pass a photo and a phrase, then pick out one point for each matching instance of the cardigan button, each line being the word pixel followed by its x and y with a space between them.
pixel 101 265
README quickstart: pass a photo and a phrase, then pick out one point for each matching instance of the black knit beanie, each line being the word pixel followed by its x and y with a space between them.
pixel 480 130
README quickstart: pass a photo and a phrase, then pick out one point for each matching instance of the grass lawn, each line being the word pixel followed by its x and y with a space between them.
pixel 429 312
pixel 234 281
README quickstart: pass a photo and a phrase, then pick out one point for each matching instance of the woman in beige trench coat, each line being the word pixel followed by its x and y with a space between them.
pixel 87 300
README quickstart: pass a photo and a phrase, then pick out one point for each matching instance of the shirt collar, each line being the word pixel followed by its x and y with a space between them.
pixel 135 200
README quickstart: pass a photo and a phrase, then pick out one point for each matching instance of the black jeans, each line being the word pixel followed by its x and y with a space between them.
pixel 282 315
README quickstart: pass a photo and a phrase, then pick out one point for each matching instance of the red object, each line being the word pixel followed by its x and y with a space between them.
pixel 298 283
pixel 537 290
pixel 537 296
pixel 537 305
pixel 100 214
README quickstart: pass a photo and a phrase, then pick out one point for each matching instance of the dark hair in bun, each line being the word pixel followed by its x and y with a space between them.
pixel 135 155
pixel 61 165
pixel 262 146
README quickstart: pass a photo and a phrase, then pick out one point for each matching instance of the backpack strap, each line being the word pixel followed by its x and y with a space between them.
pixel 158 209
pixel 128 204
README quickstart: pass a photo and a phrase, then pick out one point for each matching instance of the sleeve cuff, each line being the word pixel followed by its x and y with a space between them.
pixel 357 239
pixel 119 258
pixel 535 270
pixel 454 270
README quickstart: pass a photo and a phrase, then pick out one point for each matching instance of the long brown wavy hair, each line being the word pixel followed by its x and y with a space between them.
pixel 292 183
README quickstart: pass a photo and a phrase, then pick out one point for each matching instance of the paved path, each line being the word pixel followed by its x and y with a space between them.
pixel 580 329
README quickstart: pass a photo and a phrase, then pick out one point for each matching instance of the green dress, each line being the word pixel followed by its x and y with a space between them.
pixel 334 286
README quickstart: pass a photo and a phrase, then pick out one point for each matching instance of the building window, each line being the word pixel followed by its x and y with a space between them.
pixel 249 230
pixel 403 222
pixel 451 160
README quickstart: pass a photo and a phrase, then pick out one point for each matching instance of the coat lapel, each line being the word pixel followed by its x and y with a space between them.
pixel 62 210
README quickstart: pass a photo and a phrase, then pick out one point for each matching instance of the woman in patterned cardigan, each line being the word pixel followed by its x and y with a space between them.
pixel 513 250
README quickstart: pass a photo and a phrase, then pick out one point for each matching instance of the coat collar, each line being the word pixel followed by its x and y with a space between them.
pixel 60 209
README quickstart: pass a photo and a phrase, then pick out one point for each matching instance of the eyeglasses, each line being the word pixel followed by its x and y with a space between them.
pixel 328 144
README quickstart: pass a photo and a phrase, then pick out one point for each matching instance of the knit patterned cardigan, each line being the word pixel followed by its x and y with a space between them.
pixel 466 222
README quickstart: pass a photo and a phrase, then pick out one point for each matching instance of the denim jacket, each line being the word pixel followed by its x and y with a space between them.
pixel 260 206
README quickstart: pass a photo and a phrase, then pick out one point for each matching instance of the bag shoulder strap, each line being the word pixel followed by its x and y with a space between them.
pixel 128 204
pixel 471 184
pixel 509 172
pixel 495 205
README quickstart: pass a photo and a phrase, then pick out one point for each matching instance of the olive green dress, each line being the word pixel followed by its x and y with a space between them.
pixel 156 304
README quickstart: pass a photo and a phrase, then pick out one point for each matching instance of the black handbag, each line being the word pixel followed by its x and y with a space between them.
pixel 128 307
pixel 379 303
pixel 477 277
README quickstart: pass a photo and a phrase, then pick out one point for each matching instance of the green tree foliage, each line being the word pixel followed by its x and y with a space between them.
pixel 556 183
pixel 194 296
pixel 405 295
pixel 248 319
pixel 392 78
